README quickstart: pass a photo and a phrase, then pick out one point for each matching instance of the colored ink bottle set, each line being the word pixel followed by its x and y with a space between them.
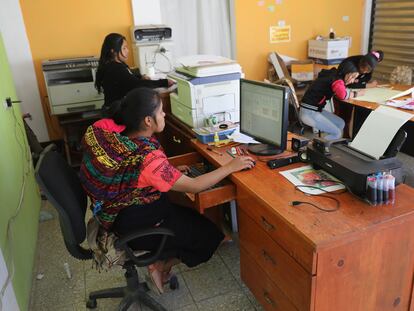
pixel 381 189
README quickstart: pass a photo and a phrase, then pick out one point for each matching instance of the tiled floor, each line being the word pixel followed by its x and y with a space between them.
pixel 215 285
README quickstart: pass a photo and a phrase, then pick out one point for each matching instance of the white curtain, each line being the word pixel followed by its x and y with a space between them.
pixel 199 26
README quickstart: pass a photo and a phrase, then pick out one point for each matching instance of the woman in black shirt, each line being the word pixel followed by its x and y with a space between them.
pixel 114 77
pixel 365 65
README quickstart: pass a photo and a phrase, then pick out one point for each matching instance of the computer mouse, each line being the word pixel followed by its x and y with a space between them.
pixel 249 168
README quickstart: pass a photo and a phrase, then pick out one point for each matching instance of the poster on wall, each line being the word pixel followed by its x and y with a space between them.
pixel 279 34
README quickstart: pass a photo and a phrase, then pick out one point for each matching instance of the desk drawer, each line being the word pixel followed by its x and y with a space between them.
pixel 269 221
pixel 265 291
pixel 282 269
pixel 226 192
pixel 174 140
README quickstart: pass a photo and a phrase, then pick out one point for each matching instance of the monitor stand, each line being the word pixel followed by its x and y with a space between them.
pixel 264 149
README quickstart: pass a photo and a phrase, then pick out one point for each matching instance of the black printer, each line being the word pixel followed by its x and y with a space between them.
pixel 351 166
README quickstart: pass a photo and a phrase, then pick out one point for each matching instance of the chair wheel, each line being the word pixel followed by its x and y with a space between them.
pixel 91 304
pixel 174 283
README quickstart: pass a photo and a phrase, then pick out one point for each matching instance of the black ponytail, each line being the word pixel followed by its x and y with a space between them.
pixel 371 59
pixel 133 108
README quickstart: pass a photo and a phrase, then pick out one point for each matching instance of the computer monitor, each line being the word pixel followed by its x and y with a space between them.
pixel 264 116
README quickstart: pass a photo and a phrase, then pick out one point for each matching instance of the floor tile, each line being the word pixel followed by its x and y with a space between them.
pixel 232 301
pixel 213 261
pixel 173 299
pixel 209 281
pixel 251 297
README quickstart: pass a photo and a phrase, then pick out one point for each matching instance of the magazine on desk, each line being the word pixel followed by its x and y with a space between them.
pixel 307 175
pixel 407 103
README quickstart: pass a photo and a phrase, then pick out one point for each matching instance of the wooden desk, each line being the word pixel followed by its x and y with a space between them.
pixel 299 258
pixel 361 110
pixel 73 127
pixel 175 139
pixel 373 106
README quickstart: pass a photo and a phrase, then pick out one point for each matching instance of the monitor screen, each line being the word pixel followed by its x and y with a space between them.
pixel 264 115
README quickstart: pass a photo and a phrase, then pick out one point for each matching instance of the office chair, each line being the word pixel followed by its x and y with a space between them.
pixel 62 187
pixel 294 102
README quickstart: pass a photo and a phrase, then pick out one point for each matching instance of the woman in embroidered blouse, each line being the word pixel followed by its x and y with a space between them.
pixel 126 175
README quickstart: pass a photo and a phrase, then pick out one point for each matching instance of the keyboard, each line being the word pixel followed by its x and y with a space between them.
pixel 199 169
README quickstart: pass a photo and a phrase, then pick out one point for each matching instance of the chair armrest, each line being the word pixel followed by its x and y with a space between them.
pixel 148 258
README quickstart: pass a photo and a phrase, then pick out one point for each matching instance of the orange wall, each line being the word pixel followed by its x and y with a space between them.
pixel 70 28
pixel 307 20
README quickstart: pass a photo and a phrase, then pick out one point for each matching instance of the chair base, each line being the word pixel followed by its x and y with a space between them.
pixel 134 291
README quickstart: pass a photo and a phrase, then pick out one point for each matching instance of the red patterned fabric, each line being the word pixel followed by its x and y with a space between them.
pixel 112 168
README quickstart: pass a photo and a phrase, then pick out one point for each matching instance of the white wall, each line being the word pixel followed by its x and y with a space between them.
pixel 366 23
pixel 21 63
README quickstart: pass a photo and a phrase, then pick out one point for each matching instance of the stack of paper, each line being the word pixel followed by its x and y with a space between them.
pixel 378 130
pixel 380 94
pixel 207 65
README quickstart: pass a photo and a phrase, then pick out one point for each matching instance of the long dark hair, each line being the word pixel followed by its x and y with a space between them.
pixel 345 68
pixel 371 59
pixel 111 46
pixel 133 108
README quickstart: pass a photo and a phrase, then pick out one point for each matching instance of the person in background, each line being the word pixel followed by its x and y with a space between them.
pixel 114 77
pixel 365 65
pixel 126 174
pixel 328 84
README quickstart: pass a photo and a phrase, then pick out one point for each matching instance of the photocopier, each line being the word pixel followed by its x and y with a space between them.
pixel 206 86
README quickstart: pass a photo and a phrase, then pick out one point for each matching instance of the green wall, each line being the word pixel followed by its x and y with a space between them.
pixel 16 174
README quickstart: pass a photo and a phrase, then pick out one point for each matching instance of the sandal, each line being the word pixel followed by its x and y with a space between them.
pixel 156 278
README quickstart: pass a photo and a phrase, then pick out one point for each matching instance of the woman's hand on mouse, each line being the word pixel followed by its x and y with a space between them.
pixel 240 163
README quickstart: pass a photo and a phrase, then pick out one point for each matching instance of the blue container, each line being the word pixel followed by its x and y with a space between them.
pixel 209 138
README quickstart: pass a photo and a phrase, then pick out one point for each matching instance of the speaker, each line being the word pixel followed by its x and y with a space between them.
pixel 276 163
pixel 298 143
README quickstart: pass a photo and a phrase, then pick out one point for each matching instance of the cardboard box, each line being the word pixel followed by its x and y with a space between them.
pixel 328 49
pixel 302 70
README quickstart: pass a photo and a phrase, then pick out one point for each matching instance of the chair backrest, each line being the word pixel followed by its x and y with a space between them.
pixel 61 185
pixel 280 70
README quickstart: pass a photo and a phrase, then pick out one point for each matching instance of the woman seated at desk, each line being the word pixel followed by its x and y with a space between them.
pixel 114 76
pixel 328 84
pixel 365 65
pixel 126 175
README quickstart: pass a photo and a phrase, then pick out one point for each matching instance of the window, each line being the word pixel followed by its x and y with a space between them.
pixel 392 31
pixel 200 27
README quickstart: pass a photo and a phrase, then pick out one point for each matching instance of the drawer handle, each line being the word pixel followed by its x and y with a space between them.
pixel 268 299
pixel 267 257
pixel 268 226
pixel 176 140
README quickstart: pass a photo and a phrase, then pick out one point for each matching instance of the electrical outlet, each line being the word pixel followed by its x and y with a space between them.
pixel 7 103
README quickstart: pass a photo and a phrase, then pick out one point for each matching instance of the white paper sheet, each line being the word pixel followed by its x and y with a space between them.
pixel 242 138
pixel 378 130
pixel 146 12
pixel 378 95
pixel 404 93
